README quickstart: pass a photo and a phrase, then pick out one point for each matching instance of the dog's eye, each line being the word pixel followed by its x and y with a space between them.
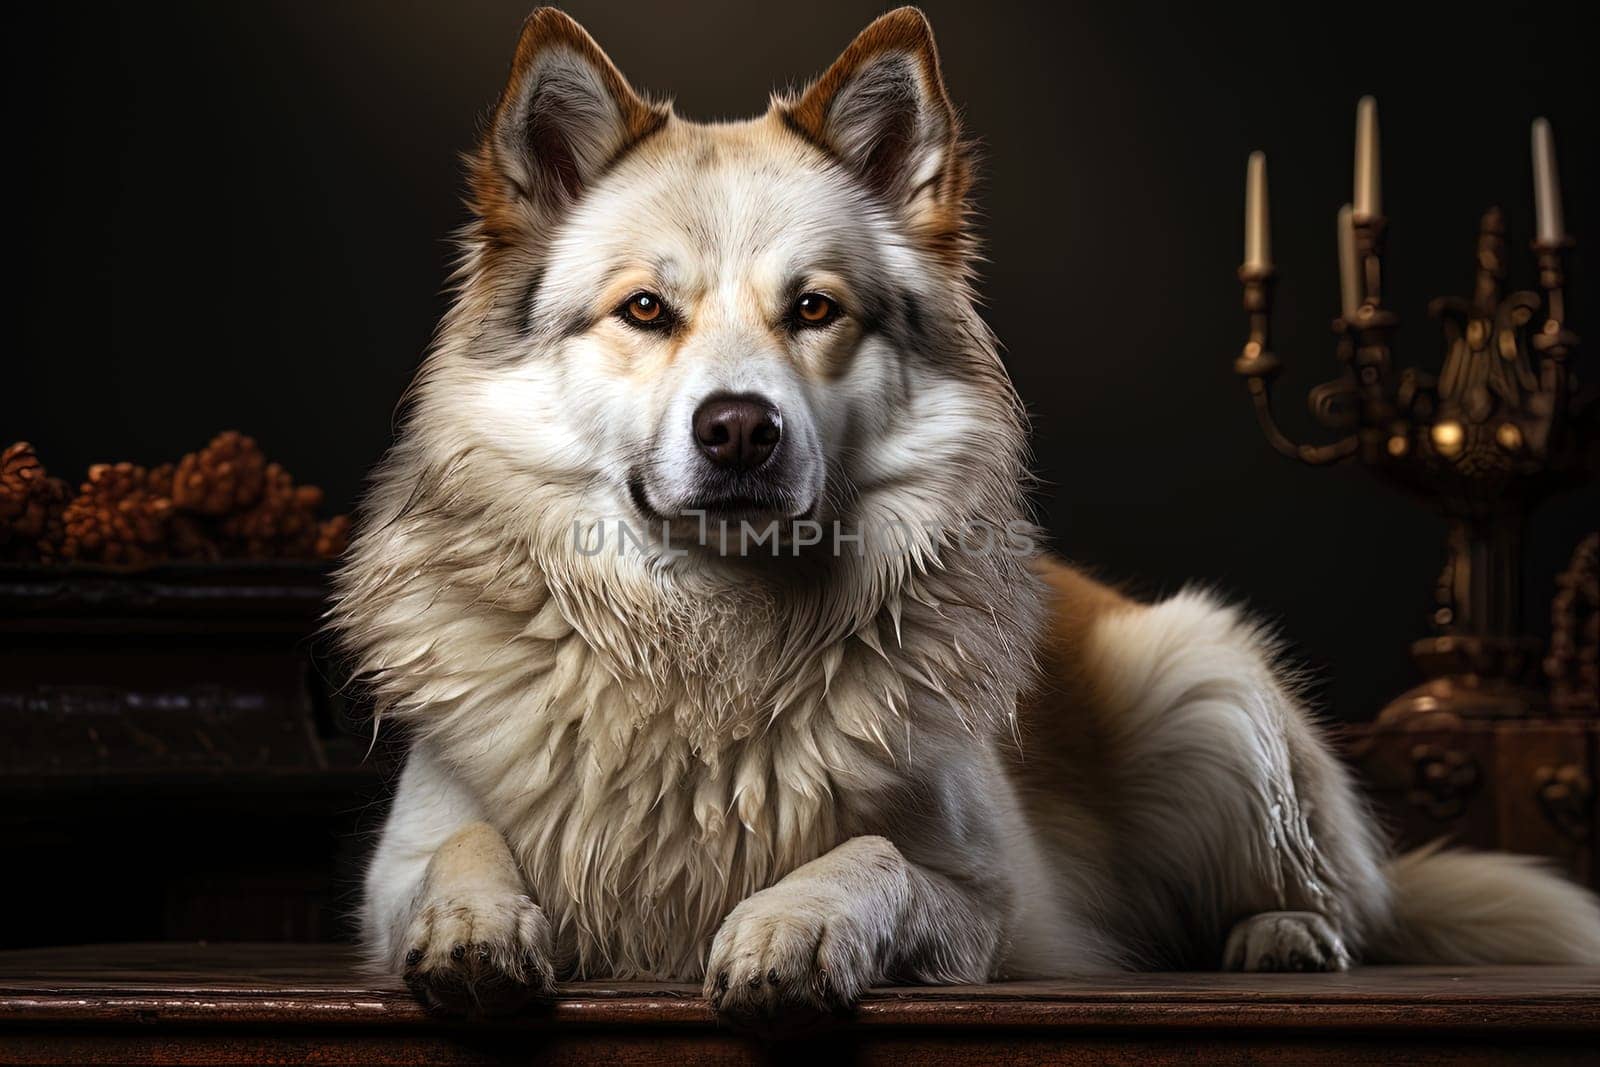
pixel 814 309
pixel 644 309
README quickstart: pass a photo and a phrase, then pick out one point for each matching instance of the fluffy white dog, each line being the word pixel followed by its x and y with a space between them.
pixel 841 739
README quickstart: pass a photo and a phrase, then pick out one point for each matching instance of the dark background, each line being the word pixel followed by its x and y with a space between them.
pixel 237 216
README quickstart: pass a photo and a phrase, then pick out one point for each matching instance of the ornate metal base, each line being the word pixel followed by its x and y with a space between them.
pixel 1470 678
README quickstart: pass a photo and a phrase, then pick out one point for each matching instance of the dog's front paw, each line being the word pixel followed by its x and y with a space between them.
pixel 1285 941
pixel 479 954
pixel 789 954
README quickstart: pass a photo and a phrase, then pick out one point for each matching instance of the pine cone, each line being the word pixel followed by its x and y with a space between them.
pixel 223 477
pixel 116 518
pixel 19 470
pixel 159 479
pixel 31 504
pixel 281 524
pixel 48 513
pixel 333 537
pixel 188 537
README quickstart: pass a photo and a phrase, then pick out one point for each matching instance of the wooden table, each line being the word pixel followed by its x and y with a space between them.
pixel 186 1003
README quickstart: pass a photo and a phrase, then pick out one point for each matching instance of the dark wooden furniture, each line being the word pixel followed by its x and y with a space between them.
pixel 178 724
pixel 241 1003
pixel 1522 785
pixel 183 672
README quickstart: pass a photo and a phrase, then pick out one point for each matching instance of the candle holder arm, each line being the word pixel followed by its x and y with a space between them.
pixel 1311 455
pixel 1258 366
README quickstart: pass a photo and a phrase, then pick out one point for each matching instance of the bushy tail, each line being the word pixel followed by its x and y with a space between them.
pixel 1485 907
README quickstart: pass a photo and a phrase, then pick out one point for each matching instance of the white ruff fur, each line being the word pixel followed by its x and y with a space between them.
pixel 652 764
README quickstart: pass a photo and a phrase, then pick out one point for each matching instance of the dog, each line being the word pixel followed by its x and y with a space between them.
pixel 791 729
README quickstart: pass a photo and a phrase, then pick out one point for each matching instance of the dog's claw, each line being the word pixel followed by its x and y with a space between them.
pixel 485 957
pixel 791 966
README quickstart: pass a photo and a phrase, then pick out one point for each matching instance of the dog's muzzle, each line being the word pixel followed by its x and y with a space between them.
pixel 734 461
pixel 745 466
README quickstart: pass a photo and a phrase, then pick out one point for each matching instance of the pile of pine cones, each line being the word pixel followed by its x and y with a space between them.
pixel 222 502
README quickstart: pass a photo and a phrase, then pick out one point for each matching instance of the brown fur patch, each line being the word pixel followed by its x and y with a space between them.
pixel 1061 763
pixel 1077 603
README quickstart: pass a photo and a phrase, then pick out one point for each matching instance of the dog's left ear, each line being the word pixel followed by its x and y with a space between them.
pixel 883 111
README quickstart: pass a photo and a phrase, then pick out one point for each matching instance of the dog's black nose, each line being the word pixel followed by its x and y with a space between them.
pixel 737 432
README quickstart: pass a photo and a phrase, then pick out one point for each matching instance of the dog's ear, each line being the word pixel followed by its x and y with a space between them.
pixel 565 113
pixel 883 111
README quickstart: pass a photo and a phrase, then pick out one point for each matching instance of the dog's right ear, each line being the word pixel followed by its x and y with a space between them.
pixel 882 111
pixel 565 113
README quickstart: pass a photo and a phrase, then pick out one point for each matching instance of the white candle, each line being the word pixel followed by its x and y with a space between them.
pixel 1257 235
pixel 1368 191
pixel 1546 185
pixel 1349 278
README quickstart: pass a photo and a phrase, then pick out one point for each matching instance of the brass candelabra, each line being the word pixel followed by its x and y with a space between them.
pixel 1501 426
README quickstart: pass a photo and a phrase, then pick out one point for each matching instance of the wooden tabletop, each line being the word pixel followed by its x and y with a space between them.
pixel 166 1002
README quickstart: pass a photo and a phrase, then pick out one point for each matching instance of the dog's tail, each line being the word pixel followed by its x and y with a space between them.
pixel 1457 907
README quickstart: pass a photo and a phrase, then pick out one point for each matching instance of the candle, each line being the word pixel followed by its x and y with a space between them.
pixel 1546 185
pixel 1257 235
pixel 1368 194
pixel 1349 278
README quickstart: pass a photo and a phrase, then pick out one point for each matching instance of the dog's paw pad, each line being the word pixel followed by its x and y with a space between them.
pixel 781 962
pixel 1285 941
pixel 479 956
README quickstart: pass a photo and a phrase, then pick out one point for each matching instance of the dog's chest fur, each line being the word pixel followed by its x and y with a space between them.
pixel 654 756
pixel 649 781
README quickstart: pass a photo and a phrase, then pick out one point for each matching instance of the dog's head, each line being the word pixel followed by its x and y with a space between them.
pixel 768 320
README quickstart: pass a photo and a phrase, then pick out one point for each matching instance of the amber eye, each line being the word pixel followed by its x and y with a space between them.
pixel 644 309
pixel 814 309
